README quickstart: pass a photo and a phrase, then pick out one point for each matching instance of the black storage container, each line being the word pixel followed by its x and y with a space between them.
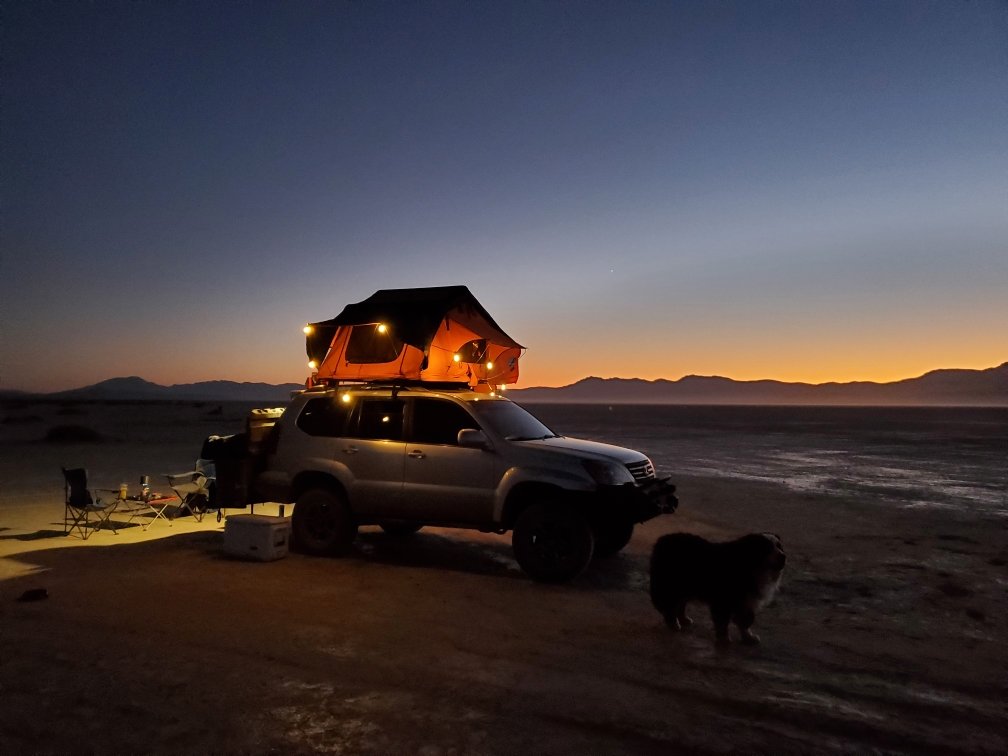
pixel 231 463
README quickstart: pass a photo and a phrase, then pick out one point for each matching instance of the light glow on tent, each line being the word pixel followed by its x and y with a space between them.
pixel 434 334
pixel 307 329
pixel 312 364
pixel 346 398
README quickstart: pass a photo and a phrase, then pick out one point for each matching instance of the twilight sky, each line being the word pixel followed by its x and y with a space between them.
pixel 802 191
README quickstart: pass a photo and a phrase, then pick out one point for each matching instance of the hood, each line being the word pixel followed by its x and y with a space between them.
pixel 587 448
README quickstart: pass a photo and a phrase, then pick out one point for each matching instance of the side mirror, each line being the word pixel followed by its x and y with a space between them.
pixel 470 438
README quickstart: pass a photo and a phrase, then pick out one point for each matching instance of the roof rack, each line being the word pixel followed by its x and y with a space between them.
pixel 327 384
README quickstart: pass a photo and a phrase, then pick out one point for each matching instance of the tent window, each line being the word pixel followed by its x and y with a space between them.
pixel 473 351
pixel 367 345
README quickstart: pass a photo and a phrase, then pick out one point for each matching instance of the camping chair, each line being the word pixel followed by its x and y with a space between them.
pixel 80 505
pixel 194 489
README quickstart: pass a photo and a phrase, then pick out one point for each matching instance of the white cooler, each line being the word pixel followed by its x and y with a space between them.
pixel 260 537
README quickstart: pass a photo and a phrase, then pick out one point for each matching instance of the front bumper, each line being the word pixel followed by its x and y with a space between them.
pixel 644 501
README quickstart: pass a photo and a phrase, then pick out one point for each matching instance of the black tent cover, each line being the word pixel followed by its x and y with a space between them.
pixel 413 314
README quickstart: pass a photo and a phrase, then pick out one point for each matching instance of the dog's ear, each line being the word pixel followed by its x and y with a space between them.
pixel 773 542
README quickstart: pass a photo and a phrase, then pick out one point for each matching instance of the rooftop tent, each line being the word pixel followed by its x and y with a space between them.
pixel 438 334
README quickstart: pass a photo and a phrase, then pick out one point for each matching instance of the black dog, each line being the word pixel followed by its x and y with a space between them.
pixel 734 579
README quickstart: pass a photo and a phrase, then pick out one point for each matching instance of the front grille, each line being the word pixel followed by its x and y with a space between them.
pixel 641 470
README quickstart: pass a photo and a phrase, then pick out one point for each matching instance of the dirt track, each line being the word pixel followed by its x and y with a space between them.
pixel 886 635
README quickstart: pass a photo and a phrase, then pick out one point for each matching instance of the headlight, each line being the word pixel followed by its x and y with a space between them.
pixel 607 473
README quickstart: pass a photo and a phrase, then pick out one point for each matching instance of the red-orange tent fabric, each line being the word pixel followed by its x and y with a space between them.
pixel 438 334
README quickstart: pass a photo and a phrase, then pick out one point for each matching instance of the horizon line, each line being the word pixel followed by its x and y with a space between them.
pixel 515 387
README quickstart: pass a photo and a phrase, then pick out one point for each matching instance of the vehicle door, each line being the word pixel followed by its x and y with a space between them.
pixel 373 452
pixel 444 482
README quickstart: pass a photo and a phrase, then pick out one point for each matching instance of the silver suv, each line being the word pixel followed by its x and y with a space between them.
pixel 405 457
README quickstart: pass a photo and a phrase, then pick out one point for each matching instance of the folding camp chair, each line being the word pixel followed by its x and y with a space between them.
pixel 194 489
pixel 80 505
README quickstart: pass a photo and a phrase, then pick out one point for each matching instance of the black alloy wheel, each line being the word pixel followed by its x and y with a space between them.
pixel 612 537
pixel 322 523
pixel 552 543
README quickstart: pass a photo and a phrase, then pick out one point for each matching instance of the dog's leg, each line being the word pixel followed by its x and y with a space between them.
pixel 721 615
pixel 676 618
pixel 744 618
pixel 672 620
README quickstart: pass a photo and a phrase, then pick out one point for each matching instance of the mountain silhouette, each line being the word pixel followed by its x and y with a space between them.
pixel 955 387
pixel 136 388
pixel 948 387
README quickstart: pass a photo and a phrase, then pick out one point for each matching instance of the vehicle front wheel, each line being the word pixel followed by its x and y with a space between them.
pixel 612 537
pixel 552 544
pixel 322 523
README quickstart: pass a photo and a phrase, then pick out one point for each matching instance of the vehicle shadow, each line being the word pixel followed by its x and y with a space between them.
pixel 488 555
pixel 438 551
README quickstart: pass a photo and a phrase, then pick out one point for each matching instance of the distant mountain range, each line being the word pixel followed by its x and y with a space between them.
pixel 939 387
pixel 135 388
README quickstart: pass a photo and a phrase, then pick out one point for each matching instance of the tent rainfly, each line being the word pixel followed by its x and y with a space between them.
pixel 437 334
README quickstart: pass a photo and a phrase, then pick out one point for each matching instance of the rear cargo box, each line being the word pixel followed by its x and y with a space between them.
pixel 258 537
pixel 258 427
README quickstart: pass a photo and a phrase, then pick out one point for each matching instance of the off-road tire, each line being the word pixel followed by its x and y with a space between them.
pixel 322 523
pixel 612 537
pixel 552 543
pixel 400 528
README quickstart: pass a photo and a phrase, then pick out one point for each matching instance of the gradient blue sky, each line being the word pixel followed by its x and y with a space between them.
pixel 804 191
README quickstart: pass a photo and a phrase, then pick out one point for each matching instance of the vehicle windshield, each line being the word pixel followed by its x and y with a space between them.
pixel 511 421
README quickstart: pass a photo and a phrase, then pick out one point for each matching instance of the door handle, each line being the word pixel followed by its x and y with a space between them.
pixel 351 450
pixel 417 454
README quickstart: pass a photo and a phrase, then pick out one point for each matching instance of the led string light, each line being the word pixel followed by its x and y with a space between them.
pixel 383 329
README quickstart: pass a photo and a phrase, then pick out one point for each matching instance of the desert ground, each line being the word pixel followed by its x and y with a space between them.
pixel 887 634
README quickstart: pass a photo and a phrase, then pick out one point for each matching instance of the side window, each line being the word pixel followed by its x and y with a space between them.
pixel 324 416
pixel 438 422
pixel 381 419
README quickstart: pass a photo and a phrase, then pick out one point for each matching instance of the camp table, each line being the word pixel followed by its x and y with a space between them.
pixel 155 504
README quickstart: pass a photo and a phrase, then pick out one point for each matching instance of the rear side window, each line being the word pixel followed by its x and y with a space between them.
pixel 439 422
pixel 325 416
pixel 381 419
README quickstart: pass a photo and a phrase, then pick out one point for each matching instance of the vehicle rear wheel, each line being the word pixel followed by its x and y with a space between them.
pixel 322 523
pixel 552 544
pixel 400 527
pixel 612 537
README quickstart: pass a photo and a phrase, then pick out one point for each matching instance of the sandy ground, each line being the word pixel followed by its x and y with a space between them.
pixel 887 635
